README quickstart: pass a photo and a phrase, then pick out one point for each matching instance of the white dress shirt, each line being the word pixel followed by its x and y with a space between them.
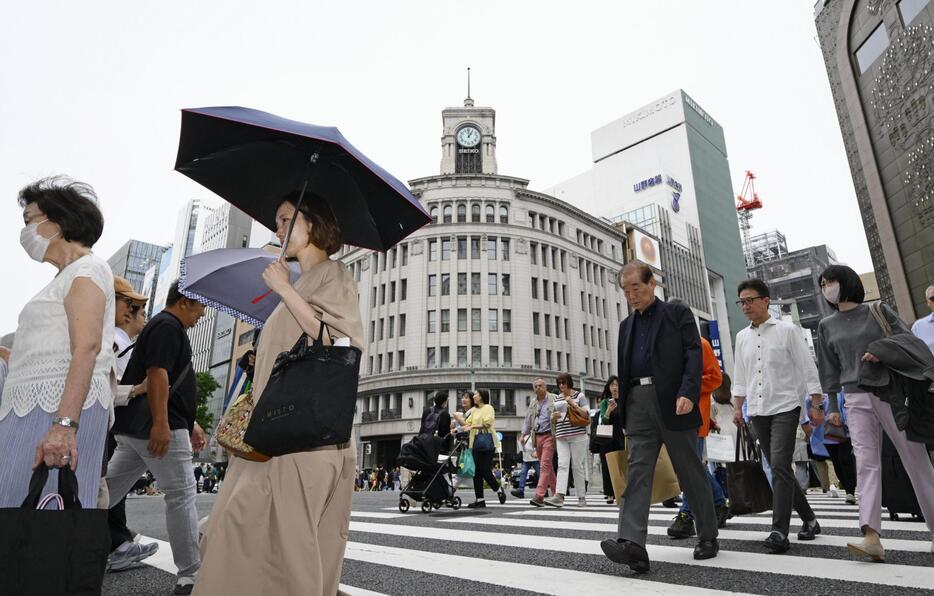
pixel 122 341
pixel 773 368
pixel 924 329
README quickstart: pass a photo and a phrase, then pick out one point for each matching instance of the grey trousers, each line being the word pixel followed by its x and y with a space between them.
pixel 175 477
pixel 645 434
pixel 776 435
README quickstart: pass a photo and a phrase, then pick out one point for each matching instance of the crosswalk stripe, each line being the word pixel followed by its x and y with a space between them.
pixel 744 519
pixel 844 570
pixel 915 546
pixel 557 581
pixel 572 506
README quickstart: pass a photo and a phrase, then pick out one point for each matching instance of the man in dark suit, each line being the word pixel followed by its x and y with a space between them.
pixel 659 387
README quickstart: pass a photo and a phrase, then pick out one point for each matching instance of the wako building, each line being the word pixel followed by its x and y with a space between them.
pixel 879 56
pixel 505 285
pixel 664 169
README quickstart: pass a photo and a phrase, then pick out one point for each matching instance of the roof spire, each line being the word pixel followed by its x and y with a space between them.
pixel 468 103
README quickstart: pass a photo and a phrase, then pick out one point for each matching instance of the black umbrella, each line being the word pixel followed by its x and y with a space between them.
pixel 254 159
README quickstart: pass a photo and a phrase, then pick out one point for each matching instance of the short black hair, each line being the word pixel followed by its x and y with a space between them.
pixel 174 294
pixel 644 271
pixel 757 285
pixel 70 204
pixel 484 395
pixel 676 300
pixel 441 397
pixel 851 286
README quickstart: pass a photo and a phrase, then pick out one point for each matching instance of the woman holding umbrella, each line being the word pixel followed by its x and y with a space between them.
pixel 280 526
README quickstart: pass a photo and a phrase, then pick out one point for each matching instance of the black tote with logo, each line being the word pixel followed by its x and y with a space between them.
pixel 309 400
pixel 45 552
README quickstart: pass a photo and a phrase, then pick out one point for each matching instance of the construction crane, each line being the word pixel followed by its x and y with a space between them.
pixel 748 201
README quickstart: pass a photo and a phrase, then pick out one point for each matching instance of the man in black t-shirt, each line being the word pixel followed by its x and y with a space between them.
pixel 153 429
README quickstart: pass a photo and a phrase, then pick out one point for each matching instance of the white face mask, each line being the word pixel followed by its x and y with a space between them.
pixel 34 243
pixel 831 292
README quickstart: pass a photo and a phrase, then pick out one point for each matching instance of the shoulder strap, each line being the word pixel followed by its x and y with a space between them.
pixel 876 309
pixel 127 349
pixel 178 382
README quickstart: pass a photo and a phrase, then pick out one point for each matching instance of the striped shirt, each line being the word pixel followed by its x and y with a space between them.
pixel 563 428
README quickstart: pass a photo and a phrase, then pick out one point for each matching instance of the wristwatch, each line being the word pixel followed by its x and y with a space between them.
pixel 65 421
pixel 819 407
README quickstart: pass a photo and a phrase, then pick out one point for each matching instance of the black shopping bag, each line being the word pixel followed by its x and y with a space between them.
pixel 53 552
pixel 747 483
pixel 309 400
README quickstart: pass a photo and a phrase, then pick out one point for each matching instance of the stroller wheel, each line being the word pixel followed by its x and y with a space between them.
pixel 426 506
pixel 456 503
pixel 403 505
pixel 437 504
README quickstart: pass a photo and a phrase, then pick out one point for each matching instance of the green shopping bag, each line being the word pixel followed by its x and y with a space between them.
pixel 465 465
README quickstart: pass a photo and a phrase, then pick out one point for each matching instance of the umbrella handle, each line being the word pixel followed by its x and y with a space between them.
pixel 259 299
pixel 313 158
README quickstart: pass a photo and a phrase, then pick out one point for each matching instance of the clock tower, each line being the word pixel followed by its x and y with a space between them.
pixel 468 144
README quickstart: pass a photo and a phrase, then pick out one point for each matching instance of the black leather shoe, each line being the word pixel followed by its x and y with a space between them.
pixel 670 503
pixel 477 505
pixel 682 526
pixel 723 514
pixel 519 494
pixel 809 530
pixel 626 553
pixel 706 549
pixel 777 543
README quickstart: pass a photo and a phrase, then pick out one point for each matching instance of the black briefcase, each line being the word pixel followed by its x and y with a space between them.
pixel 747 483
pixel 309 400
pixel 53 552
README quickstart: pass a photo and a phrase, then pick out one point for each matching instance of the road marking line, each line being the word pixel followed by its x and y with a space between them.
pixel 555 581
pixel 377 514
pixel 858 571
pixel 915 546
pixel 359 591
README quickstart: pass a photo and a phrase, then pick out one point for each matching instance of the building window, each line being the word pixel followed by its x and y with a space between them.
pixel 392 291
pixel 432 321
pixel 872 48
pixel 475 319
pixel 535 328
pixel 430 358
pixel 434 214
pixel 445 321
pixel 494 355
pixel 548 359
pixel 432 250
pixel 379 365
pixel 462 356
pixel 585 334
pixel 507 356
pixel 245 338
pixel 373 297
pixel 534 288
pixel 533 253
pixel 507 320
pixel 461 213
pixel 491 249
pixel 432 285
pixel 403 289
pixel 405 255
pixel 491 284
pixel 474 247
pixel 445 357
pixel 461 248
pixel 475 284
pixel 445 284
pixel 554 291
pixel 538 358
pixel 370 366
pixel 505 249
pixel 558 328
pixel 505 284
pixel 910 9
pixel 490 214
pixel 372 331
pixel 448 214
pixel 382 294
pixel 545 289
pixel 446 249
pixel 402 325
pixel 493 319
pixel 503 214
pixel 392 327
pixel 401 359
pixel 389 361
pixel 547 325
pixel 462 319
pixel 461 284
pixel 475 213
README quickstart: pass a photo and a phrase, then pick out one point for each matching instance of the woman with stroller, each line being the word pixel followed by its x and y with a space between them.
pixel 843 341
pixel 483 443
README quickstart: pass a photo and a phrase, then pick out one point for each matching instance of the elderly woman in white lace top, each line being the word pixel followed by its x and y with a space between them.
pixel 56 402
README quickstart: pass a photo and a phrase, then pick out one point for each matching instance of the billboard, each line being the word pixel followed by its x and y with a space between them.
pixel 646 249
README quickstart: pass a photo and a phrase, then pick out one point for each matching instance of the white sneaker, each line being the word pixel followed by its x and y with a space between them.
pixel 833 491
pixel 582 502
pixel 129 553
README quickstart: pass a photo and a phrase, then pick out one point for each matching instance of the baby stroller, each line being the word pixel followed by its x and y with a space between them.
pixel 431 483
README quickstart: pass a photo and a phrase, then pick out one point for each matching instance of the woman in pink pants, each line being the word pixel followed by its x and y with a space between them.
pixel 843 340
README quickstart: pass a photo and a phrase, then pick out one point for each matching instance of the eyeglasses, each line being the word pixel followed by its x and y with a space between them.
pixel 133 306
pixel 748 301
pixel 562 383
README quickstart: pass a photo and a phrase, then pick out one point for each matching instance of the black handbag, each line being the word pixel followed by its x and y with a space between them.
pixel 747 483
pixel 483 441
pixel 309 399
pixel 45 552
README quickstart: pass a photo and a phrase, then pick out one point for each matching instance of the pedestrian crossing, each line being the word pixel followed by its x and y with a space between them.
pixel 515 548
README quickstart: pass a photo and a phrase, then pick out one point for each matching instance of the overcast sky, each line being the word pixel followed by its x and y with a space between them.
pixel 93 90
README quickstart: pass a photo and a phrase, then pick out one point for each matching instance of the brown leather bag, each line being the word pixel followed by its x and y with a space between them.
pixel 578 416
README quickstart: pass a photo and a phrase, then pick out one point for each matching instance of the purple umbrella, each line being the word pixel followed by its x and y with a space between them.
pixel 231 280
pixel 254 160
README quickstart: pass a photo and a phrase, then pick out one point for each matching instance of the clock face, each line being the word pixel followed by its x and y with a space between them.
pixel 468 137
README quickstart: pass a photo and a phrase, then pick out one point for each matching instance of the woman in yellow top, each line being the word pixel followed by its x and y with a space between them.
pixel 484 442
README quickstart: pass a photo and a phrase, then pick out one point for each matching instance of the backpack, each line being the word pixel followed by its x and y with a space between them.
pixel 430 425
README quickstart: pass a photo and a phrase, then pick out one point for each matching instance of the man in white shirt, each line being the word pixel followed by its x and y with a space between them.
pixel 924 327
pixel 773 370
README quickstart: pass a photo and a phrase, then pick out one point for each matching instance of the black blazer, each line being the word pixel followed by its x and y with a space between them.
pixel 676 362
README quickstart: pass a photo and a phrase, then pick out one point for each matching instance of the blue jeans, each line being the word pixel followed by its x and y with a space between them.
pixel 718 497
pixel 524 473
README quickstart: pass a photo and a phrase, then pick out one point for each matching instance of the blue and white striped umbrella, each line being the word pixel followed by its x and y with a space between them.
pixel 231 280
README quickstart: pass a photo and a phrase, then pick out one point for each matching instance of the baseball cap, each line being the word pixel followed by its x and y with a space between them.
pixel 123 288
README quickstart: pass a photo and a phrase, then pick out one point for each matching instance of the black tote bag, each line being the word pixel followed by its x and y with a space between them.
pixel 309 400
pixel 747 483
pixel 53 552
